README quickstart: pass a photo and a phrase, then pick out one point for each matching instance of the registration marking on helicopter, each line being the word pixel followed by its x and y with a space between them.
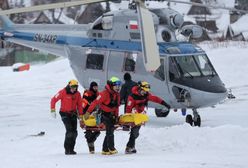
pixel 8 34
pixel 45 38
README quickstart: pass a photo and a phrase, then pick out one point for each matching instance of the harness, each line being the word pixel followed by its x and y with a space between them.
pixel 91 97
pixel 87 100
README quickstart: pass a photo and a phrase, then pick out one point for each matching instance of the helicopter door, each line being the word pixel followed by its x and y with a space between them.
pixel 179 91
pixel 95 67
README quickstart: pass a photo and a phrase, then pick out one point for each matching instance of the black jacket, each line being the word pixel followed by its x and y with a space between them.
pixel 126 90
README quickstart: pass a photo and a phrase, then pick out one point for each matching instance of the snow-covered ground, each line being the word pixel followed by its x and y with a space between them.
pixel 221 142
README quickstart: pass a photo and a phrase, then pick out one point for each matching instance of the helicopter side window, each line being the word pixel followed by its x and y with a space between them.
pixel 159 73
pixel 204 65
pixel 95 61
pixel 130 62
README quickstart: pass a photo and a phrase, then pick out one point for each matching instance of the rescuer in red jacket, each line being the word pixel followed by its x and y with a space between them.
pixel 137 102
pixel 109 102
pixel 71 105
pixel 89 96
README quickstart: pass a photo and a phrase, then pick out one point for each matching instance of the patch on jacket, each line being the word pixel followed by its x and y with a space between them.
pixel 98 97
pixel 57 95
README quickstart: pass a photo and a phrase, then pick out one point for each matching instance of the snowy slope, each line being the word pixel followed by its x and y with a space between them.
pixel 221 142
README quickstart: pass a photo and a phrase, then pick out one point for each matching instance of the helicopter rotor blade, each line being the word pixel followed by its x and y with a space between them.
pixel 209 6
pixel 150 51
pixel 48 6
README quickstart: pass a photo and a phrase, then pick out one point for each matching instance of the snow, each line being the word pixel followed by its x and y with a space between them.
pixel 117 6
pixel 19 2
pixel 226 3
pixel 240 25
pixel 182 8
pixel 17 65
pixel 221 142
pixel 222 16
pixel 223 20
pixel 63 18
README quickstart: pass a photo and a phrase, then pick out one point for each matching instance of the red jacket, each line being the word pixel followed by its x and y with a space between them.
pixel 88 97
pixel 139 102
pixel 69 102
pixel 108 101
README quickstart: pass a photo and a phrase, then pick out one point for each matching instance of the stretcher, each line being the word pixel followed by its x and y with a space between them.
pixel 131 119
pixel 93 122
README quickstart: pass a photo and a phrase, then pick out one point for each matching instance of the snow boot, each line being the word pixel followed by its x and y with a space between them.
pixel 67 152
pixel 106 152
pixel 91 148
pixel 113 151
pixel 70 152
pixel 73 152
pixel 130 150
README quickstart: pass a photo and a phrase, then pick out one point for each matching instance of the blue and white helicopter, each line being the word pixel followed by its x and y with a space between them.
pixel 138 40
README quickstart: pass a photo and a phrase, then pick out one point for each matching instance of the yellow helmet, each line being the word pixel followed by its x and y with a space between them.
pixel 73 83
pixel 114 81
pixel 144 86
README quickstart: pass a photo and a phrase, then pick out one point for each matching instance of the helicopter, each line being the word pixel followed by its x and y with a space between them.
pixel 137 40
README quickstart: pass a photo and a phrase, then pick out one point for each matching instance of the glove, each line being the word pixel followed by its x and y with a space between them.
pixel 81 117
pixel 166 105
pixel 53 113
pixel 81 121
pixel 86 115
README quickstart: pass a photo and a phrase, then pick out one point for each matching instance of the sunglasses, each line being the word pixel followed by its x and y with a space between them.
pixel 74 86
pixel 146 86
pixel 117 83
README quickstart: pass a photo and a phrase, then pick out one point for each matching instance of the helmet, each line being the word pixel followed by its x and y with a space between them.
pixel 143 85
pixel 73 83
pixel 114 81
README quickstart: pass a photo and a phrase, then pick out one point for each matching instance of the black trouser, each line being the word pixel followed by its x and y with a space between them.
pixel 133 136
pixel 70 122
pixel 91 136
pixel 109 120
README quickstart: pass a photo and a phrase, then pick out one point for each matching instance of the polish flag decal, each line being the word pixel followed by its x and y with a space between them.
pixel 133 24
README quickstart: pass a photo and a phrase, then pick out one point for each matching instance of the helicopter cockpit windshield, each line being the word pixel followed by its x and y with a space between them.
pixel 190 66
